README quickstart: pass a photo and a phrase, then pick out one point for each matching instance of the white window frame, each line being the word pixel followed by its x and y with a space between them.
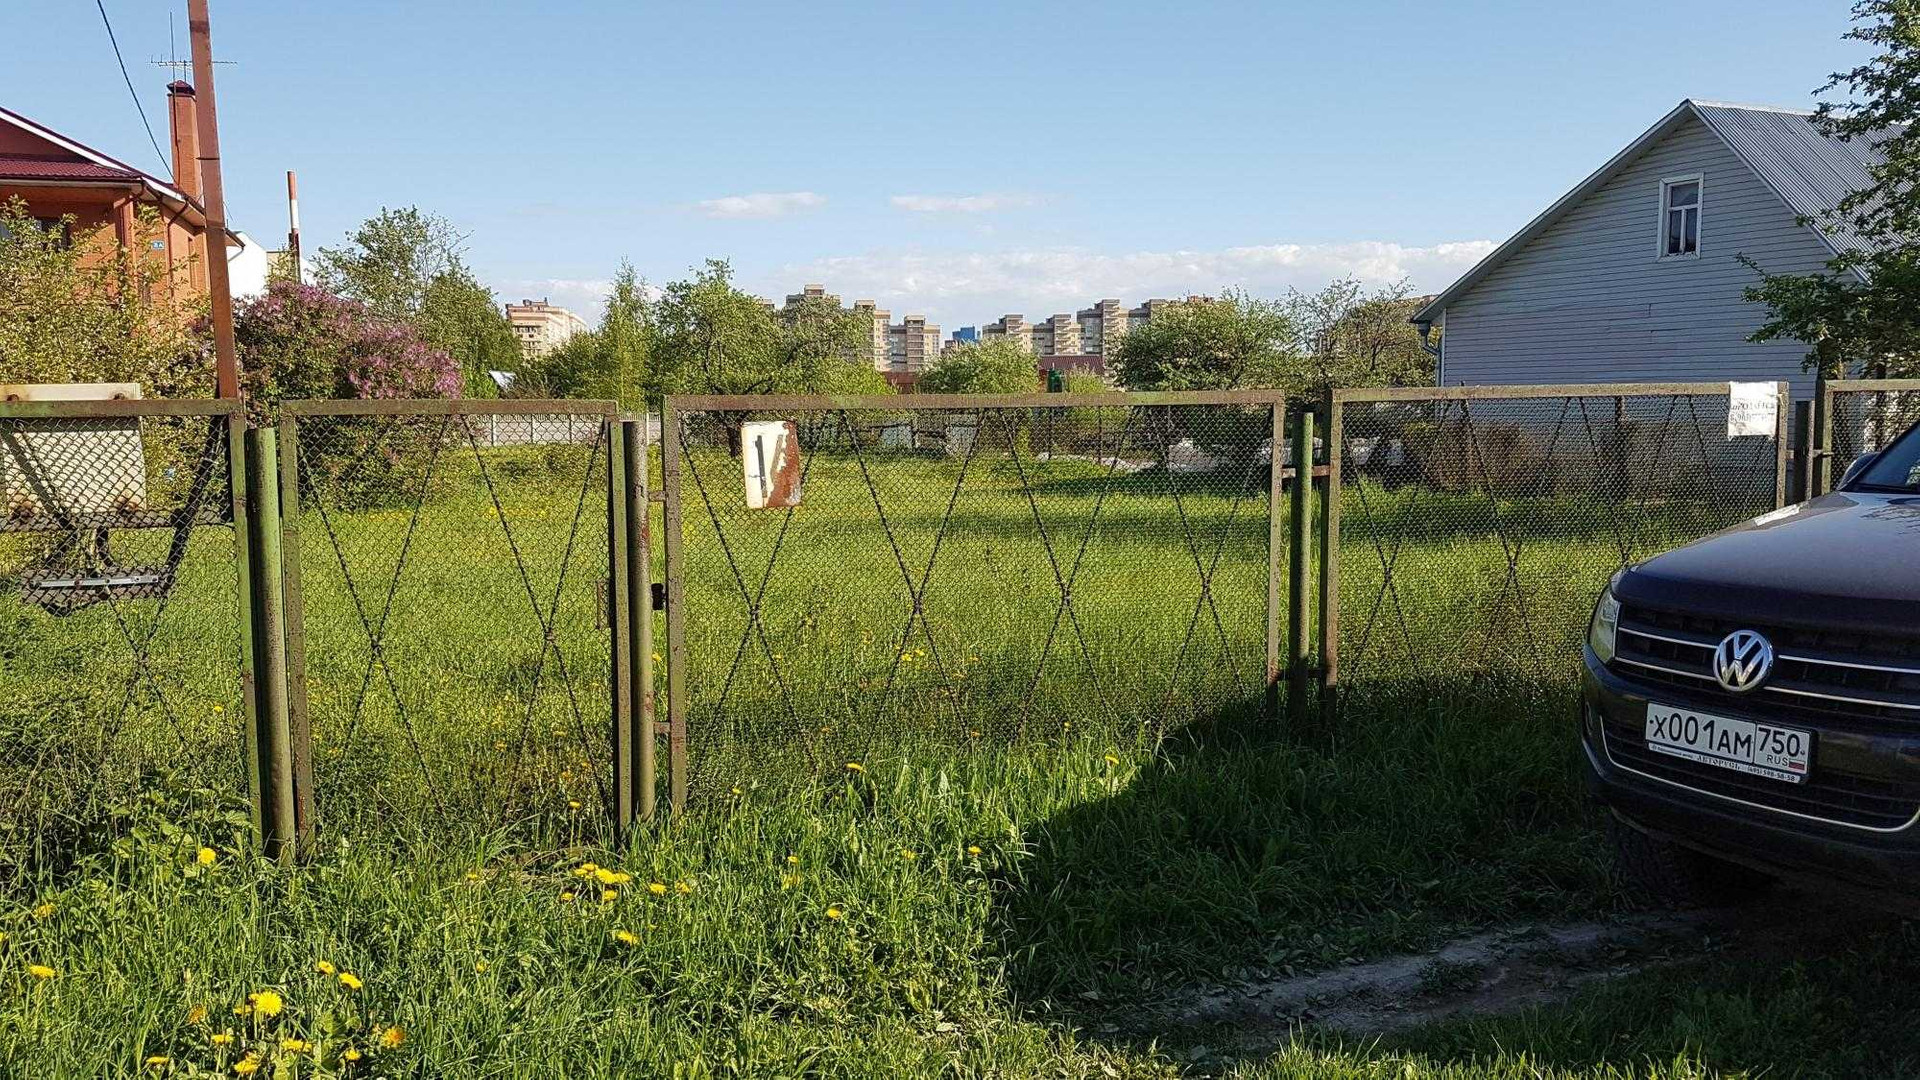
pixel 1667 184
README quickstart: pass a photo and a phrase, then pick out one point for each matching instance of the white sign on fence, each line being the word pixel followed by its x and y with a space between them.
pixel 770 458
pixel 1753 408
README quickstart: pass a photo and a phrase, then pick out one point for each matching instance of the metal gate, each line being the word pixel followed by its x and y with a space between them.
pixel 1855 417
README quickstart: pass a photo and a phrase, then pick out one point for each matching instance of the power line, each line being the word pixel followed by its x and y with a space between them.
pixel 131 92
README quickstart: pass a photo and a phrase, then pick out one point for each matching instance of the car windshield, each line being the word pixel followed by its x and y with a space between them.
pixel 1897 468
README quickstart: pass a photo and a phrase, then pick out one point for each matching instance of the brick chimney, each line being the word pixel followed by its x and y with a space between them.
pixel 183 116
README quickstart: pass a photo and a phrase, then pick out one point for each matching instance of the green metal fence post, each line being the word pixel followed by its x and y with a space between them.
pixel 676 609
pixel 620 647
pixel 1330 562
pixel 299 719
pixel 243 572
pixel 1276 539
pixel 273 737
pixel 1299 550
pixel 639 557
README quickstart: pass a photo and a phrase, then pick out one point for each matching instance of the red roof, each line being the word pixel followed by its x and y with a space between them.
pixel 25 167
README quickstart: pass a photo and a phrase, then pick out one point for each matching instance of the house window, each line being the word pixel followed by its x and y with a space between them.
pixel 1680 217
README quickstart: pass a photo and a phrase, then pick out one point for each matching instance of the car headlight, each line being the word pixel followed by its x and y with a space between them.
pixel 1606 622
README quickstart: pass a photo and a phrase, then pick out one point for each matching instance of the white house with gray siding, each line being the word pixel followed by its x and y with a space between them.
pixel 1635 275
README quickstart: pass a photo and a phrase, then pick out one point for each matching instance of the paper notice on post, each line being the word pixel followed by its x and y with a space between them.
pixel 1753 408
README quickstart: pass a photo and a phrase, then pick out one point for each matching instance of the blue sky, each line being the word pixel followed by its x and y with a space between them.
pixel 957 160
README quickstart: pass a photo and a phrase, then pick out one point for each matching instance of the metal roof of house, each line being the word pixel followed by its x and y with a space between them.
pixel 1810 171
pixel 161 188
pixel 28 167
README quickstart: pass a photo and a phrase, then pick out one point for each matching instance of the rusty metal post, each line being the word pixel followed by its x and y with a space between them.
pixel 213 197
pixel 1802 427
pixel 1782 439
pixel 620 631
pixel 299 718
pixel 676 609
pixel 1330 563
pixel 1276 540
pixel 1300 543
pixel 639 556
pixel 273 736
pixel 1822 473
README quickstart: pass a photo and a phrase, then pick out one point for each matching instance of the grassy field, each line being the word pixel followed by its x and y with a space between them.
pixel 1114 830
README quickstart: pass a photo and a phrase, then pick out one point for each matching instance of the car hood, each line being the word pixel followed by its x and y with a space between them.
pixel 1849 561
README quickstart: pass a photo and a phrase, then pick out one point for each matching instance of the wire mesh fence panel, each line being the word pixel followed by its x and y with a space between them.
pixel 452 573
pixel 1476 532
pixel 862 582
pixel 1866 420
pixel 120 633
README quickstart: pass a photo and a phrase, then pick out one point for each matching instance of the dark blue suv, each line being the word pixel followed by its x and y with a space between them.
pixel 1751 705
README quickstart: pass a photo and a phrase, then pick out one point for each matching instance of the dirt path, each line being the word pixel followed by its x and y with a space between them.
pixel 1488 974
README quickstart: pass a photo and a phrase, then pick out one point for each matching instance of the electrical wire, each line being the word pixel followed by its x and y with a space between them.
pixel 131 92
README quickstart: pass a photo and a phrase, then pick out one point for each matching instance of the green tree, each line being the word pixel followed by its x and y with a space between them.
pixel 711 338
pixel 613 360
pixel 410 266
pixel 996 366
pixel 1347 336
pixel 1863 308
pixel 75 307
pixel 1233 342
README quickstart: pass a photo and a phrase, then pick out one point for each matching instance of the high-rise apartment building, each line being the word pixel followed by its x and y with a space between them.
pixel 542 327
pixel 1103 318
pixel 1056 335
pixel 812 292
pixel 876 321
pixel 1013 327
pixel 912 345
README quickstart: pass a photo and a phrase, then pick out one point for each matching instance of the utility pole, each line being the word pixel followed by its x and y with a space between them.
pixel 226 364
pixel 293 229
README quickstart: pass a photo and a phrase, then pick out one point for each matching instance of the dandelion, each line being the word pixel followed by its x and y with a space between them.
pixel 573 804
pixel 206 856
pixel 909 854
pixel 793 860
pixel 566 898
pixel 267 1003
pixel 295 1046
pixel 585 870
pixel 248 1065
pixel 219 709
pixel 41 971
pixel 656 658
pixel 737 791
pixel 834 913
pixel 854 766
pixel 349 980
pixel 44 911
pixel 197 1014
pixel 683 887
pixel 611 877
pixel 473 875
pixel 349 1054
pixel 224 1038
pixel 973 849
pixel 1111 760
pixel 657 888
pixel 323 967
pixel 608 896
pixel 626 937
pixel 158 1061
pixel 392 1037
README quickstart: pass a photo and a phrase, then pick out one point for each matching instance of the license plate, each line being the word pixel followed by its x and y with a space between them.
pixel 1777 753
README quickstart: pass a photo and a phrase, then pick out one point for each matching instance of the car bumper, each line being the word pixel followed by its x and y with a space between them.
pixel 1882 862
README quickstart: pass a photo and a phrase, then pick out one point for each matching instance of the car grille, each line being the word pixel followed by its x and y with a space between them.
pixel 1817 674
pixel 1834 680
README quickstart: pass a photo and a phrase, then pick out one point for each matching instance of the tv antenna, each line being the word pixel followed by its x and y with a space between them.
pixel 173 61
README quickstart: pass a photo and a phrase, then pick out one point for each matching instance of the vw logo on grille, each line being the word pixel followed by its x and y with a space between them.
pixel 1743 660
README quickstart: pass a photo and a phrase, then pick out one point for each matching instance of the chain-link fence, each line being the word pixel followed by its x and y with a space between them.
pixel 1476 526
pixel 855 578
pixel 120 627
pixel 1863 416
pixel 448 578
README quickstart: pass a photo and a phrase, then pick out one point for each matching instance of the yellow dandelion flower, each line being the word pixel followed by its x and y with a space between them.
pixel 973 849
pixel 1111 760
pixel 44 911
pixel 566 898
pixel 854 766
pixel 206 856
pixel 480 967
pixel 909 854
pixel 248 1065
pixel 657 888
pixel 268 1003
pixel 349 1054
pixel 158 1061
pixel 197 1014
pixel 349 980
pixel 224 1038
pixel 608 896
pixel 323 967
pixel 793 860
pixel 41 971
pixel 834 913
pixel 585 870
pixel 392 1037
pixel 473 875
pixel 295 1046
pixel 737 791
pixel 626 937
pixel 683 887
pixel 573 804
pixel 656 658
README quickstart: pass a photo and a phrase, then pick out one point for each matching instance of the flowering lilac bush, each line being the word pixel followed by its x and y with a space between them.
pixel 297 341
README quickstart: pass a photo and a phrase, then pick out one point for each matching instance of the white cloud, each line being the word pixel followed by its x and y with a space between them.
pixel 961 288
pixel 962 204
pixel 761 204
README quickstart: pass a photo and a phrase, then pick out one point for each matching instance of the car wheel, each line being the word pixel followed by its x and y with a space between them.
pixel 1674 873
